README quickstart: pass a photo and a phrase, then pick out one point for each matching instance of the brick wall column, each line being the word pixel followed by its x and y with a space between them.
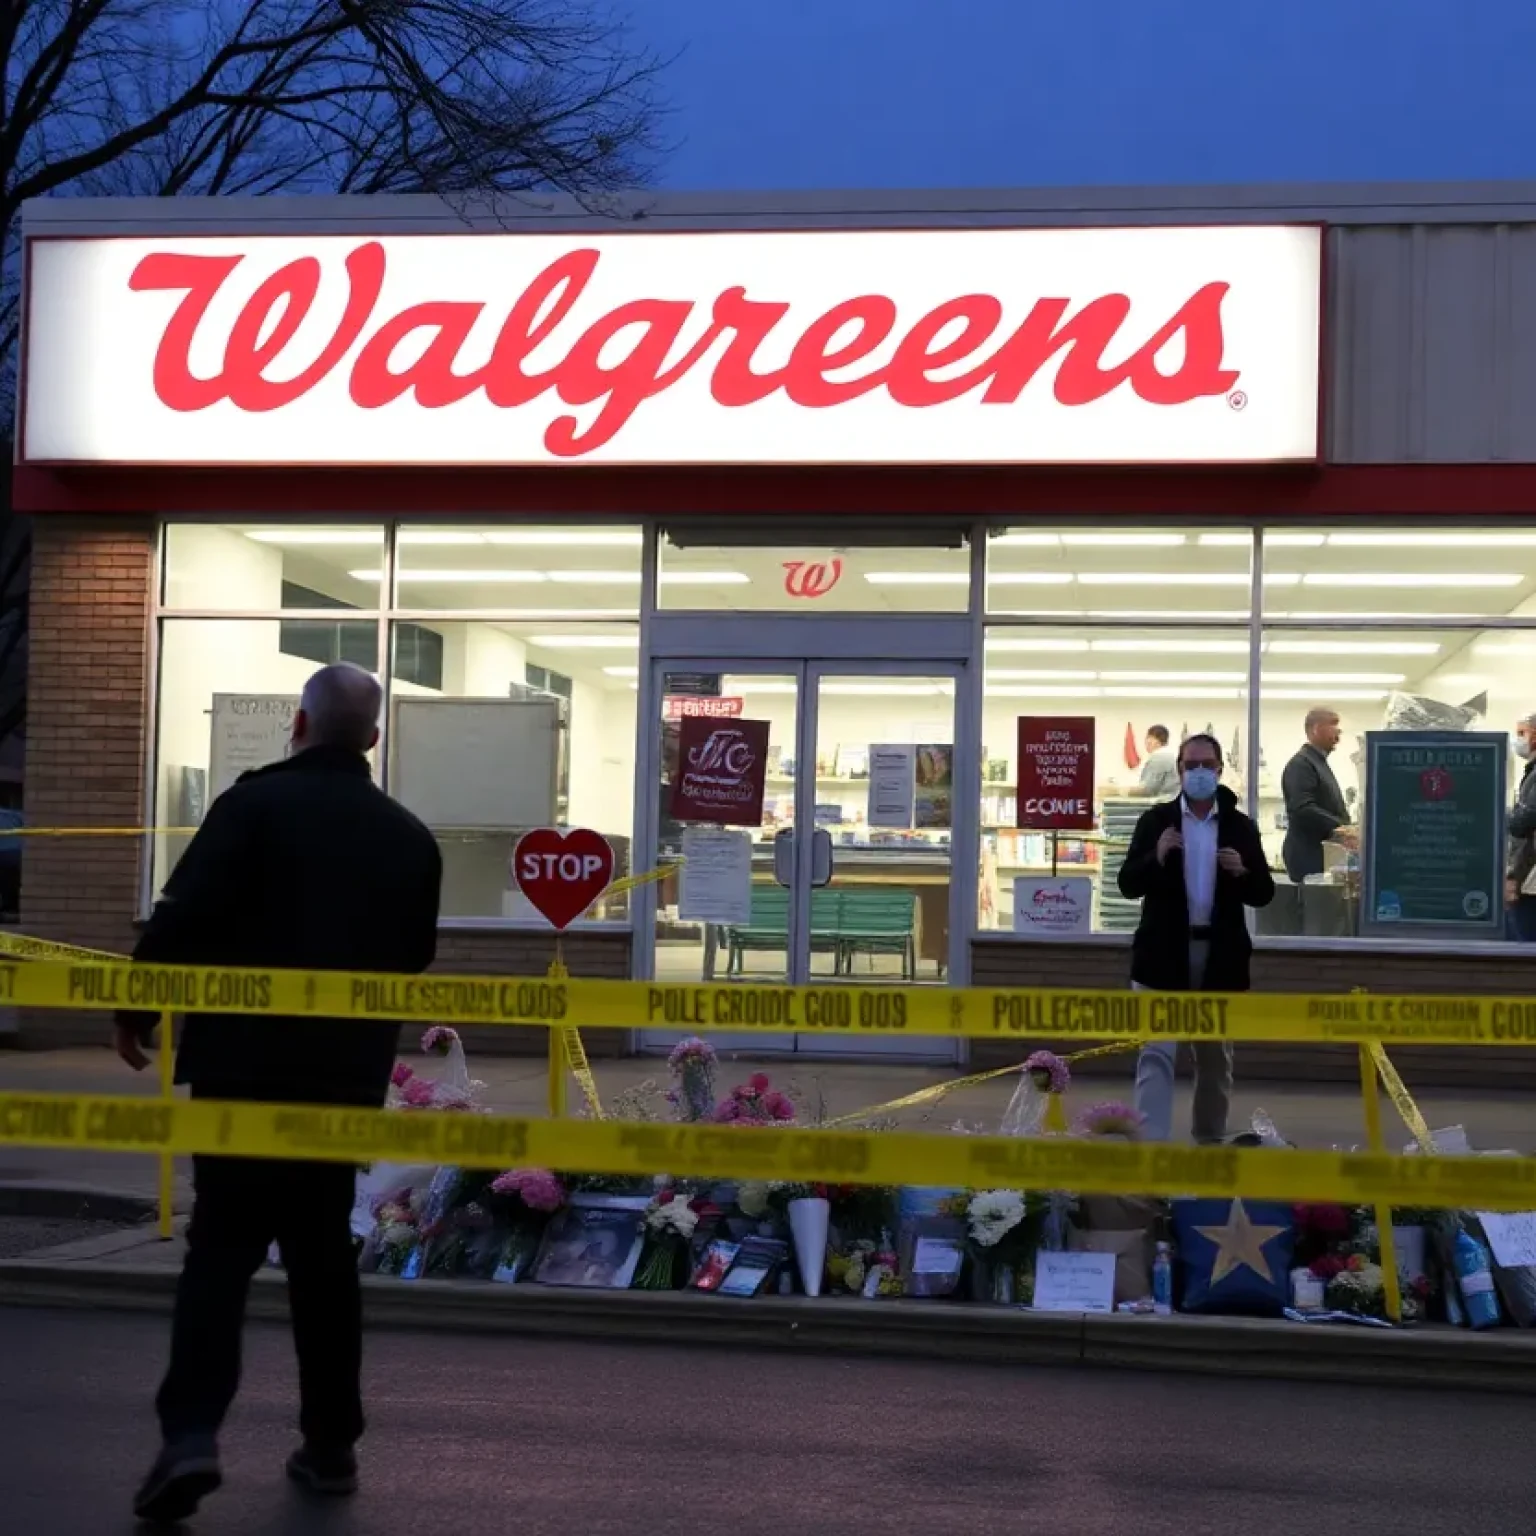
pixel 88 689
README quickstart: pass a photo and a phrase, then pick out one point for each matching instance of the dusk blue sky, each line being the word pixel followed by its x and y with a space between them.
pixel 923 93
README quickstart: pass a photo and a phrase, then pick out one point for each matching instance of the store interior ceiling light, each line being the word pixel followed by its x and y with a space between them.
pixel 1174 647
pixel 1470 540
pixel 336 536
pixel 1034 643
pixel 1409 579
pixel 579 642
pixel 932 578
pixel 593 538
pixel 887 690
pixel 1271 540
pixel 622 671
pixel 1042 674
pixel 1173 677
pixel 1086 540
pixel 1353 647
pixel 457 577
pixel 1175 579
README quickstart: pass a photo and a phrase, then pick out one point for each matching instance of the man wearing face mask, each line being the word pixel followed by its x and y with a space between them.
pixel 1194 864
pixel 304 865
pixel 1520 884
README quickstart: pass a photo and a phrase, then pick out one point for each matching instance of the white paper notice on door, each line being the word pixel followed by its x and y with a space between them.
pixel 892 786
pixel 1052 909
pixel 715 883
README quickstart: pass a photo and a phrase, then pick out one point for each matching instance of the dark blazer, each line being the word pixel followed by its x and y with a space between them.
pixel 1521 826
pixel 1160 950
pixel 1314 811
pixel 304 865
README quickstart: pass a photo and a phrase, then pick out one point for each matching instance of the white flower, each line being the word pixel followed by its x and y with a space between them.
pixel 752 1197
pixel 675 1216
pixel 993 1214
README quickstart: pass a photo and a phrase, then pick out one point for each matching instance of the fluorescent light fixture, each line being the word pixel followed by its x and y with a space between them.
pixel 1332 696
pixel 1174 693
pixel 753 685
pixel 596 578
pixel 1044 674
pixel 621 671
pixel 561 538
pixel 450 577
pixel 1173 677
pixel 1331 677
pixel 1176 647
pixel 1029 578
pixel 1433 540
pixel 1271 540
pixel 1505 647
pixel 443 539
pixel 1353 647
pixel 1122 540
pixel 703 578
pixel 1239 614
pixel 919 578
pixel 1036 644
pixel 1041 691
pixel 336 536
pixel 1411 579
pixel 585 642
pixel 1026 541
pixel 886 690
pixel 1177 579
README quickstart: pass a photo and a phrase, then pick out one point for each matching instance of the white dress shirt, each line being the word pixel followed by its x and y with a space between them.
pixel 1200 842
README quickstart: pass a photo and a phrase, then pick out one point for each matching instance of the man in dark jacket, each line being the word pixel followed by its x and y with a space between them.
pixel 303 865
pixel 1194 864
pixel 1315 810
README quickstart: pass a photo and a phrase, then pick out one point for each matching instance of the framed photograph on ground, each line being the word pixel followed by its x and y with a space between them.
pixel 595 1241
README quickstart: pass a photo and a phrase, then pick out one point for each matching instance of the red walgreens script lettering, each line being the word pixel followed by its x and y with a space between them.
pixel 846 334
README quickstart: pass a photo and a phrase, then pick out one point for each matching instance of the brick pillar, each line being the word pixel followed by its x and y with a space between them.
pixel 87 718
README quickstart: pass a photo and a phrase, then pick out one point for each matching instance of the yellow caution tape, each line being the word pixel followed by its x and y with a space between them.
pixel 882 1158
pixel 837 1010
pixel 581 1070
pixel 1402 1100
pixel 24 947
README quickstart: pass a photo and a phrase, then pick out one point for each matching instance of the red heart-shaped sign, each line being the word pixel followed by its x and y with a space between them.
pixel 562 873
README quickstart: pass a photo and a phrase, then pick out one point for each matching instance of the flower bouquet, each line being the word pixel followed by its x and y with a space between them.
pixel 866 1269
pixel 669 1224
pixel 692 1095
pixel 754 1102
pixel 1003 1230
pixel 522 1201
pixel 1035 1108
pixel 395 1238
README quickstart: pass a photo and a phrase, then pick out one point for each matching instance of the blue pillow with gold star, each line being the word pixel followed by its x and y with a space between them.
pixel 1234 1256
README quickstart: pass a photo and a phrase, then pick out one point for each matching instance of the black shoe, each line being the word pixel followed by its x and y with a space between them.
pixel 186 1472
pixel 327 1474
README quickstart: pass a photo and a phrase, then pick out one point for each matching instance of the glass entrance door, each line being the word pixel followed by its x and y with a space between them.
pixel 847 876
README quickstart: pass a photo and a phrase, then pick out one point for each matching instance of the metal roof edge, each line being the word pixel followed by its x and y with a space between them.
pixel 1344 203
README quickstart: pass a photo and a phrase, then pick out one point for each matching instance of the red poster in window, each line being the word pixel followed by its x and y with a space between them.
pixel 1055 773
pixel 721 765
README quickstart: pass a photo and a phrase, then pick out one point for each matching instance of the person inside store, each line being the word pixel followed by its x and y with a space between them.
pixel 308 865
pixel 1194 864
pixel 1520 881
pixel 1315 810
pixel 1160 772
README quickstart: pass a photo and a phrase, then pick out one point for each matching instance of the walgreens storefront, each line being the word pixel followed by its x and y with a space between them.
pixel 885 475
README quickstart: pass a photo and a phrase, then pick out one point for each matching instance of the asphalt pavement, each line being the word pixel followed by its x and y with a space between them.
pixel 503 1434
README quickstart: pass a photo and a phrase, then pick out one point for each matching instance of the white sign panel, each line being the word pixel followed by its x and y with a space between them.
pixel 1074 1282
pixel 1512 1237
pixel 715 883
pixel 1003 346
pixel 892 786
pixel 1053 909
pixel 250 730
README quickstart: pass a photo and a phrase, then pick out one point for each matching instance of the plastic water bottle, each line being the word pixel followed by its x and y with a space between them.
pixel 1162 1281
pixel 1475 1277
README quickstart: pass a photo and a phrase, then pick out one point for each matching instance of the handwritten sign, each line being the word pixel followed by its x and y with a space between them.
pixel 1074 1282
pixel 1512 1237
pixel 1055 792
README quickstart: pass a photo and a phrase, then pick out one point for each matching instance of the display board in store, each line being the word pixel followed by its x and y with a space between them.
pixel 1434 833
pixel 1055 791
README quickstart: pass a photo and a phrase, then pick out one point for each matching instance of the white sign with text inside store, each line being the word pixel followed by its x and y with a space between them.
pixel 1170 345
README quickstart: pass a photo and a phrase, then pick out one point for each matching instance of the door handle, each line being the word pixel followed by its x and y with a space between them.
pixel 784 857
pixel 821 857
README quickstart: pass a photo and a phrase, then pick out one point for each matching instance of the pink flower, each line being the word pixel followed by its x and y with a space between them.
pixel 1111 1118
pixel 537 1188
pixel 778 1106
pixel 419 1093
pixel 401 1075
pixel 691 1050
pixel 1049 1066
pixel 439 1040
pixel 758 1082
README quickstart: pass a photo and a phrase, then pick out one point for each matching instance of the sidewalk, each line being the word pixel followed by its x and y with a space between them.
pixel 1311 1115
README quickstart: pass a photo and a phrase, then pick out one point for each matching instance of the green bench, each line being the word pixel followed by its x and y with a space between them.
pixel 844 924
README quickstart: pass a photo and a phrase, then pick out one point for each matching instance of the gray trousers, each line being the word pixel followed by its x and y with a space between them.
pixel 1213 1074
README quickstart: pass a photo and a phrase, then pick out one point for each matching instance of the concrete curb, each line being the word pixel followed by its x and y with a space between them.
pixel 1449 1359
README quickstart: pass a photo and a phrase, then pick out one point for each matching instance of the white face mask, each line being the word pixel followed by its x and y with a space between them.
pixel 1522 746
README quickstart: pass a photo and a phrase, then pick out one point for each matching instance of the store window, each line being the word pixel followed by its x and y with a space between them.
pixel 1145 688
pixel 228 691
pixel 553 572
pixel 532 724
pixel 1121 574
pixel 253 568
pixel 513 666
pixel 812 578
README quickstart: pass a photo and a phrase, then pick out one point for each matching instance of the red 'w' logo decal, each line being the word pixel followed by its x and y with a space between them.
pixel 811 578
